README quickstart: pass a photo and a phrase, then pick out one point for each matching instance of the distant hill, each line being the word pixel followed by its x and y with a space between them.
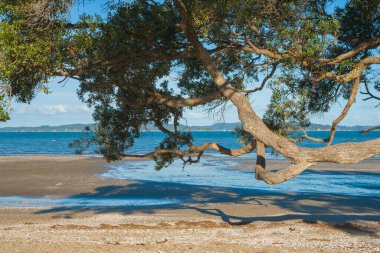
pixel 152 128
pixel 319 127
pixel 63 128
pixel 232 126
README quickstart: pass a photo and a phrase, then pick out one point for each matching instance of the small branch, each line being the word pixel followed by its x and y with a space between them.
pixel 190 160
pixel 64 79
pixel 200 150
pixel 263 82
pixel 368 92
pixel 176 123
pixel 310 138
pixel 175 135
pixel 370 129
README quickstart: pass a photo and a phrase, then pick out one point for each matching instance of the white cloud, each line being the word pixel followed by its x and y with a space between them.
pixel 51 109
pixel 86 108
pixel 197 115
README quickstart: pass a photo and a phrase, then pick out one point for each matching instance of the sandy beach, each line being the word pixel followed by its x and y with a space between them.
pixel 215 219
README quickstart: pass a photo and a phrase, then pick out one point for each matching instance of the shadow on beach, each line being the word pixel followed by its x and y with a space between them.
pixel 235 206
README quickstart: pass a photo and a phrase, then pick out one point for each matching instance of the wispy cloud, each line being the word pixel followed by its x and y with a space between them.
pixel 197 115
pixel 52 109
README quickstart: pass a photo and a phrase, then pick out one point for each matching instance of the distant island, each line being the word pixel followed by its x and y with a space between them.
pixel 152 128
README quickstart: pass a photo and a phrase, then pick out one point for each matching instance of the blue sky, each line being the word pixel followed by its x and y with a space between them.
pixel 62 106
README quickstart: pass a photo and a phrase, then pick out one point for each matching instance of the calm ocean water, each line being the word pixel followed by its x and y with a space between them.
pixel 56 143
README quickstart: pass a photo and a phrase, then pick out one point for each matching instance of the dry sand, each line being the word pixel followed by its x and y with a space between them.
pixel 218 220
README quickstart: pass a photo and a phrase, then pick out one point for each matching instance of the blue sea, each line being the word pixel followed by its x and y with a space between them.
pixel 213 172
pixel 57 143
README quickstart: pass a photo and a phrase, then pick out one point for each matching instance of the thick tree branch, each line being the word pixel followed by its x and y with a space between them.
pixel 369 44
pixel 279 176
pixel 354 73
pixel 343 153
pixel 176 102
pixel 343 114
pixel 252 124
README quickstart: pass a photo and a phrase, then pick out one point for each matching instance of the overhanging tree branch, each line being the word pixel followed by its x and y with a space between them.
pixel 354 73
pixel 370 130
pixel 121 65
pixel 366 45
pixel 252 124
pixel 200 149
pixel 369 44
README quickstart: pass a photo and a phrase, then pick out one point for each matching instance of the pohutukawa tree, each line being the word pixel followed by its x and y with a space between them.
pixel 220 51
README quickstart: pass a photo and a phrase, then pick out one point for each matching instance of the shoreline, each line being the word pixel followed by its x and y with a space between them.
pixel 236 219
pixel 62 176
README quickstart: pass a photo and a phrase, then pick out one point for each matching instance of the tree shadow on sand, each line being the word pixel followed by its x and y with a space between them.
pixel 330 209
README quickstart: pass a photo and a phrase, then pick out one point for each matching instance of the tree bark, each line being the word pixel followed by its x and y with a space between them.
pixel 279 176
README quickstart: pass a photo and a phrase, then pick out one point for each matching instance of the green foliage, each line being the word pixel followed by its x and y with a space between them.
pixel 170 143
pixel 84 142
pixel 242 136
pixel 359 19
pixel 286 111
pixel 4 114
pixel 29 53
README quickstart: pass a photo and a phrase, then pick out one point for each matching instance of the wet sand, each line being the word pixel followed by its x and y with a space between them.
pixel 215 219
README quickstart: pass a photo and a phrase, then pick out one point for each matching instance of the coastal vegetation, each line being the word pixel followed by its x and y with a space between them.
pixel 146 62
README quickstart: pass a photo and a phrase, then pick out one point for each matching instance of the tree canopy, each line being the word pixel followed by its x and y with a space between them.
pixel 219 51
